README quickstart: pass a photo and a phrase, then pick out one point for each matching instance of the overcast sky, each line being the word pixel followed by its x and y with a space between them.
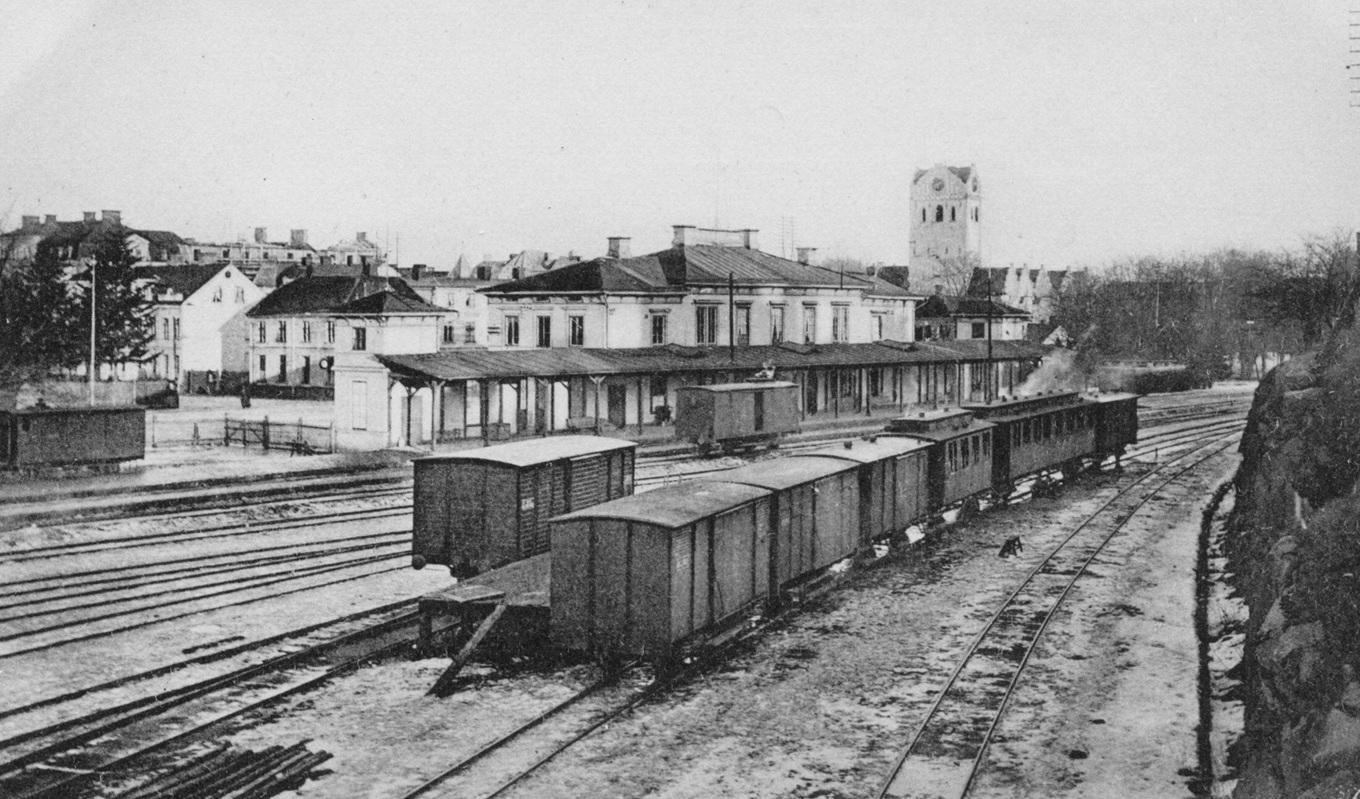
pixel 1100 129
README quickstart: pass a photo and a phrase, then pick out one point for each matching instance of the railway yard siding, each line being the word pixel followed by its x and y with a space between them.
pixel 1294 545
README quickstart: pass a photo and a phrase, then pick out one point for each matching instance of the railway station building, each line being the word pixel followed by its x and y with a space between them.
pixel 605 345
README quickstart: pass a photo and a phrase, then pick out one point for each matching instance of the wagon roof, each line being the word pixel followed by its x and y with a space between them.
pixel 1111 397
pixel 751 386
pixel 947 434
pixel 675 505
pixel 1022 405
pixel 537 450
pixel 882 448
pixel 785 472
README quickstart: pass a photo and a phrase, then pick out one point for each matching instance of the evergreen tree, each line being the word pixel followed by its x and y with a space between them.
pixel 39 319
pixel 123 313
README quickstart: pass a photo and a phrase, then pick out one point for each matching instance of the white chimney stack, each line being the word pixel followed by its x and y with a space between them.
pixel 620 247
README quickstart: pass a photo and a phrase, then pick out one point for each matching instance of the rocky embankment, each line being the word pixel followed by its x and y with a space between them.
pixel 1294 549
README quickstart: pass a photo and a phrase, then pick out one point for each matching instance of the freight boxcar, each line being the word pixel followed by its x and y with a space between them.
pixel 479 509
pixel 39 437
pixel 814 513
pixel 893 491
pixel 1116 423
pixel 960 462
pixel 731 415
pixel 1036 433
pixel 642 575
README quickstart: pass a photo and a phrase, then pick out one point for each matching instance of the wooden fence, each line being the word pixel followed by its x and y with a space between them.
pixel 295 437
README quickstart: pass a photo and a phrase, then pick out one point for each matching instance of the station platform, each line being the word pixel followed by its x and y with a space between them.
pixel 521 588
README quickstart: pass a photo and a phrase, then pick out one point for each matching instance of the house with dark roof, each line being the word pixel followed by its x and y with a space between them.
pixel 461 294
pixel 607 343
pixel 198 324
pixel 947 317
pixel 1033 290
pixel 710 288
pixel 76 241
pixel 296 330
pixel 256 255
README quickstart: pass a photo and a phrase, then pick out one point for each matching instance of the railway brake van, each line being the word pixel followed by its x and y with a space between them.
pixel 730 415
pixel 642 575
pixel 960 464
pixel 1116 423
pixel 479 509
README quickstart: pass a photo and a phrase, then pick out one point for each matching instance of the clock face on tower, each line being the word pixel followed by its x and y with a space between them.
pixel 938 184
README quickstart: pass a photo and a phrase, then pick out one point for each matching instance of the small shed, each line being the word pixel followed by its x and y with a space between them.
pixel 736 413
pixel 893 482
pixel 640 575
pixel 814 511
pixel 478 509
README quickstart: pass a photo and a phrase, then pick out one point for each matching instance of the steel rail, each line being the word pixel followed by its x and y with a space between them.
pixel 1008 602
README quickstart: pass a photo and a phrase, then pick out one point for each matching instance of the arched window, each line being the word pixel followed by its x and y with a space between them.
pixel 953 213
pixel 939 213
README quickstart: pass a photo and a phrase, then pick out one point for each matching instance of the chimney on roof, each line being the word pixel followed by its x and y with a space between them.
pixel 748 238
pixel 30 222
pixel 416 270
pixel 50 219
pixel 361 237
pixel 620 247
pixel 684 234
pixel 298 237
pixel 807 255
pixel 91 216
pixel 261 235
pixel 112 217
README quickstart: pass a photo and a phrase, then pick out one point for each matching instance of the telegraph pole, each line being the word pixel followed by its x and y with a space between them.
pixel 94 286
pixel 990 368
pixel 731 318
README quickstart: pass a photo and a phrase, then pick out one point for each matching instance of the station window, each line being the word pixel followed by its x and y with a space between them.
pixel 306 332
pixel 658 329
pixel 281 334
pixel 449 335
pixel 360 339
pixel 263 334
pixel 576 329
pixel 512 331
pixel 706 324
pixel 330 332
pixel 545 331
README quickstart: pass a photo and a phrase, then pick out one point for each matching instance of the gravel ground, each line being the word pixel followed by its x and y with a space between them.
pixel 819 705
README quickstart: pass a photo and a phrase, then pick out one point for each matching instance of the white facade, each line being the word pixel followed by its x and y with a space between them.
pixel 297 350
pixel 205 331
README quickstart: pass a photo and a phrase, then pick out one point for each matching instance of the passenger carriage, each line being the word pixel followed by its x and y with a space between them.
pixel 1037 433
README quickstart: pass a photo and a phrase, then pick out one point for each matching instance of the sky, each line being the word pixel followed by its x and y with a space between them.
pixel 1100 130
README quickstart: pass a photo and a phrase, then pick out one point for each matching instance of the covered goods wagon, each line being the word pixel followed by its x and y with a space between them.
pixel 1116 423
pixel 731 415
pixel 37 437
pixel 814 511
pixel 478 509
pixel 642 575
pixel 893 484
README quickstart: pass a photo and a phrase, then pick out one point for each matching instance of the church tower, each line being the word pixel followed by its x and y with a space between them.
pixel 946 220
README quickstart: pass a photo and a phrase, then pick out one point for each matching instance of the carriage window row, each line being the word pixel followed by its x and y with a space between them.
pixel 1045 427
pixel 964 452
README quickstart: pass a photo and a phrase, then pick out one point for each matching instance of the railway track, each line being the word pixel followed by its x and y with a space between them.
pixel 945 752
pixel 117 728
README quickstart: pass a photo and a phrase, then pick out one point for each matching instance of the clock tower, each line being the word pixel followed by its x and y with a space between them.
pixel 946 219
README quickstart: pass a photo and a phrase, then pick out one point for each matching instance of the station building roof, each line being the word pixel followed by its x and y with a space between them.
pixel 475 363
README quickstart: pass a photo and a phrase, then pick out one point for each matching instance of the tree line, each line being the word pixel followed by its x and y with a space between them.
pixel 45 311
pixel 1212 310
